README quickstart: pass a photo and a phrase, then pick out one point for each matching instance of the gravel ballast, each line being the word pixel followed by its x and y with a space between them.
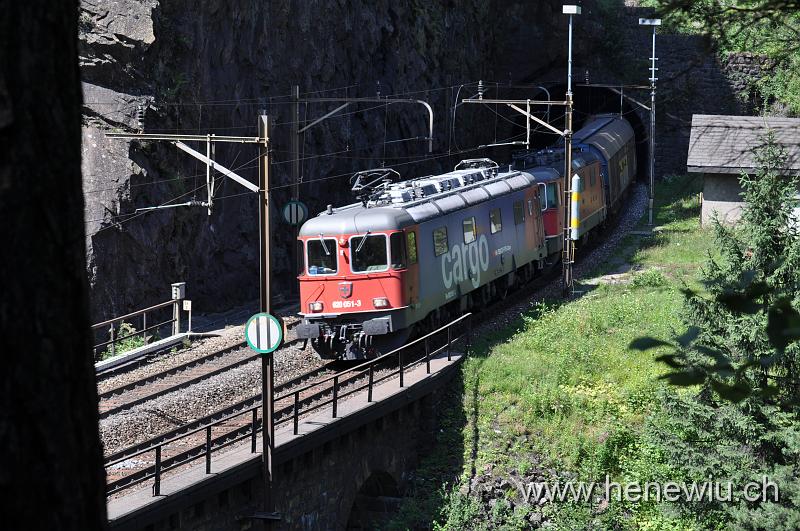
pixel 174 409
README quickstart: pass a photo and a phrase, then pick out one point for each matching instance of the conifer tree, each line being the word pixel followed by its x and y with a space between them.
pixel 742 329
pixel 741 349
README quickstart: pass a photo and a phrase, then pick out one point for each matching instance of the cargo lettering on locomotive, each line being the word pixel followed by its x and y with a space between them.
pixel 466 261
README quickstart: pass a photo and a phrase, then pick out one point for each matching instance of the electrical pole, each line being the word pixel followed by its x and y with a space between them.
pixel 210 155
pixel 295 142
pixel 295 119
pixel 652 128
pixel 654 22
pixel 568 250
pixel 568 247
pixel 267 366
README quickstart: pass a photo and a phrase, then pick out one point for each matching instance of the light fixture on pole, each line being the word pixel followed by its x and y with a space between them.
pixel 568 250
pixel 653 22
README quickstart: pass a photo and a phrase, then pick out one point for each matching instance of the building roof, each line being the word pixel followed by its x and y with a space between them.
pixel 725 144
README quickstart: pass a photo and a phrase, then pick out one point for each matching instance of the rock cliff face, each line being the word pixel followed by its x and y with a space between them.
pixel 210 66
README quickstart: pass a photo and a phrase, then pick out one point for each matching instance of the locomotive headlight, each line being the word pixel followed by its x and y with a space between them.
pixel 380 302
pixel 315 307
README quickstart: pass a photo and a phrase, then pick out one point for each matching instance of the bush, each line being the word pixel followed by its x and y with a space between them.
pixel 650 278
pixel 124 345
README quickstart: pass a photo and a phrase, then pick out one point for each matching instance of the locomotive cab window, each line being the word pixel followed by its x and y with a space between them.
pixel 411 247
pixel 321 258
pixel 440 246
pixel 397 246
pixel 552 195
pixel 368 253
pixel 470 232
pixel 519 213
pixel 495 220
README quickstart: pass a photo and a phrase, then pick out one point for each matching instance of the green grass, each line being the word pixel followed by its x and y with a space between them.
pixel 560 388
pixel 679 247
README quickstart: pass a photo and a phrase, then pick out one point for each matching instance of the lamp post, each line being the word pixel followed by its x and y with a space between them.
pixel 568 251
pixel 653 22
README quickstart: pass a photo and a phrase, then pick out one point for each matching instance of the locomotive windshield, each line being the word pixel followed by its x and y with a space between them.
pixel 368 253
pixel 322 256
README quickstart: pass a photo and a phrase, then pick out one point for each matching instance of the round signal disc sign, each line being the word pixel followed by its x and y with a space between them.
pixel 264 333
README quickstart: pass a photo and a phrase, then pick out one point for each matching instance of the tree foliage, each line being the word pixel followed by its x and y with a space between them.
pixel 738 25
pixel 770 28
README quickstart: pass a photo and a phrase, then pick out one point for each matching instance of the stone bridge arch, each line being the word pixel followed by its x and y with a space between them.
pixel 375 502
pixel 358 476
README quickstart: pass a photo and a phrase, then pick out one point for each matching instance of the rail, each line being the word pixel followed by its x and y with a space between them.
pixel 338 389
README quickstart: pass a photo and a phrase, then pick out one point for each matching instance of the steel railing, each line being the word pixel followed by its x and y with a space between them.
pixel 115 325
pixel 368 368
pixel 337 387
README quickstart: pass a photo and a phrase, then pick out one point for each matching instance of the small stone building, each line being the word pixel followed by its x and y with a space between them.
pixel 722 147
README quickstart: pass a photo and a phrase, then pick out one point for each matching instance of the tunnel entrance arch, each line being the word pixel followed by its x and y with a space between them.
pixel 376 502
pixel 591 100
pixel 588 101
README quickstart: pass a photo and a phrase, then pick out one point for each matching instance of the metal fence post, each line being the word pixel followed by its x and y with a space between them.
pixel 335 393
pixel 400 362
pixel 469 335
pixel 157 482
pixel 427 356
pixel 296 411
pixel 208 449
pixel 144 327
pixel 449 342
pixel 176 316
pixel 254 431
pixel 113 341
pixel 371 378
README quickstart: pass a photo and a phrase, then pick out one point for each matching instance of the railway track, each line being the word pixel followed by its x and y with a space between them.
pixel 223 427
pixel 178 377
pixel 220 414
pixel 294 400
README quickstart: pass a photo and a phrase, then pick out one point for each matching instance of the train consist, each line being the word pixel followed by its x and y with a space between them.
pixel 412 255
